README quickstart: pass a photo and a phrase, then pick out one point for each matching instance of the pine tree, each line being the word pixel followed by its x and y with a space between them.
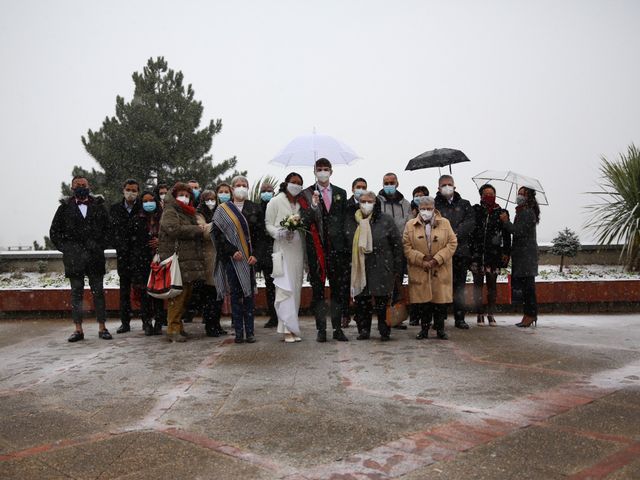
pixel 154 137
pixel 566 244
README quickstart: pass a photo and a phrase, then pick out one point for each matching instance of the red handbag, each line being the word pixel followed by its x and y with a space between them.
pixel 165 280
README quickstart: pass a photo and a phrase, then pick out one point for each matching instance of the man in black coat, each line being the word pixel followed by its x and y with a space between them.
pixel 79 230
pixel 264 251
pixel 129 238
pixel 329 218
pixel 461 216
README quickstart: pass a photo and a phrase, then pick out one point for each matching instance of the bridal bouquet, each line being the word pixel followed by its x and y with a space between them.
pixel 293 223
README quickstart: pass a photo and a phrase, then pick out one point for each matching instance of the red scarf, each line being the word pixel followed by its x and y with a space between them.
pixel 317 243
pixel 188 209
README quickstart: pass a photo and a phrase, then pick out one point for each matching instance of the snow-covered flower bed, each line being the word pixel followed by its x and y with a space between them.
pixel 547 273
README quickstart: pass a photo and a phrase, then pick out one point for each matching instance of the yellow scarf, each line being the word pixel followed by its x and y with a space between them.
pixel 362 243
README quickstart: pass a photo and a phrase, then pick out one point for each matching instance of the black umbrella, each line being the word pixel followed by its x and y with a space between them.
pixel 439 157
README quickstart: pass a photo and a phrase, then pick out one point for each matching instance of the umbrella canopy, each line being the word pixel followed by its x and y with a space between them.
pixel 507 184
pixel 304 150
pixel 440 157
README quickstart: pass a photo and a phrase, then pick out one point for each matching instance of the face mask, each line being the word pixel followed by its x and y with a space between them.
pixel 389 189
pixel 130 196
pixel 224 197
pixel 358 192
pixel 266 196
pixel 184 199
pixel 323 175
pixel 149 206
pixel 366 208
pixel 415 200
pixel 210 204
pixel 294 189
pixel 489 199
pixel 196 193
pixel 426 214
pixel 162 195
pixel 521 200
pixel 447 191
pixel 240 193
pixel 81 192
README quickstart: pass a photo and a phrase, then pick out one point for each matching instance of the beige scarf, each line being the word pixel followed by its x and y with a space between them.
pixel 362 243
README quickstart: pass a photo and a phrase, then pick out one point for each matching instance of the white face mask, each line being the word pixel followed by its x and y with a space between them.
pixel 241 193
pixel 366 208
pixel 184 199
pixel 323 175
pixel 162 195
pixel 210 203
pixel 426 215
pixel 294 189
pixel 130 196
pixel 521 200
pixel 447 191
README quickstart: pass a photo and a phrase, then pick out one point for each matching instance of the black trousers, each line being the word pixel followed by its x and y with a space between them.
pixel 524 289
pixel 151 307
pixel 77 292
pixel 271 293
pixel 460 267
pixel 211 307
pixel 492 290
pixel 364 313
pixel 337 268
pixel 428 312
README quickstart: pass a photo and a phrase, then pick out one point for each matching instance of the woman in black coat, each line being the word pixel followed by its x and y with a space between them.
pixel 524 263
pixel 490 251
pixel 378 269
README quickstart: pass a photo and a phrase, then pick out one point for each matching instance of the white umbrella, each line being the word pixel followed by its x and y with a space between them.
pixel 507 184
pixel 304 150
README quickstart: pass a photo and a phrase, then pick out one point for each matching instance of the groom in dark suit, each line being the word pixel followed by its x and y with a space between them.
pixel 327 209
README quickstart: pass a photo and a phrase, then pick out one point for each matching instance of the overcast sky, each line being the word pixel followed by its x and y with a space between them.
pixel 543 88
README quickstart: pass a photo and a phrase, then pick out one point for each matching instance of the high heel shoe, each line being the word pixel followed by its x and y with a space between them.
pixel 527 321
pixel 480 320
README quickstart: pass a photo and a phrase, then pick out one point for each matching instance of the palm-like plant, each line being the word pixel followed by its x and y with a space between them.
pixel 616 217
pixel 254 194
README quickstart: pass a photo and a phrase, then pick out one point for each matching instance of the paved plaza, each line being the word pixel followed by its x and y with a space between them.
pixel 558 401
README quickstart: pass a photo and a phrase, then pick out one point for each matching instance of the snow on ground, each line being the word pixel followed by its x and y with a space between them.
pixel 547 273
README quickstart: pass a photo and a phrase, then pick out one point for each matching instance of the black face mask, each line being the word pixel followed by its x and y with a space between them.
pixel 81 192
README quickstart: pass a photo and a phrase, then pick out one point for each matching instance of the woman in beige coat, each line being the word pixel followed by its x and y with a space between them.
pixel 429 244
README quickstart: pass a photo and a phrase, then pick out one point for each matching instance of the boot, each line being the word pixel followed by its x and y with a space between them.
pixel 424 333
pixel 157 327
pixel 124 327
pixel 147 327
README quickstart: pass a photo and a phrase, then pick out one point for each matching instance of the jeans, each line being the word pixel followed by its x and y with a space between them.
pixel 526 288
pixel 364 313
pixel 242 307
pixel 77 293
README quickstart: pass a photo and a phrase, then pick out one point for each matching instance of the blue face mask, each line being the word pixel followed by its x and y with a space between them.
pixel 389 189
pixel 196 193
pixel 266 196
pixel 224 197
pixel 415 200
pixel 357 192
pixel 149 206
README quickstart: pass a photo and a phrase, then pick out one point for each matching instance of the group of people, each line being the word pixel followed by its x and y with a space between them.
pixel 363 244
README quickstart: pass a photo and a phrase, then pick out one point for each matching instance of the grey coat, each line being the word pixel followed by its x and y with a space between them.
pixel 524 248
pixel 384 263
pixel 462 219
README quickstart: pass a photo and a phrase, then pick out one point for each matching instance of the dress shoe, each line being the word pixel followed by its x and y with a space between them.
pixel 272 323
pixel 424 334
pixel 442 334
pixel 385 338
pixel 480 320
pixel 322 336
pixel 340 336
pixel 400 326
pixel 124 328
pixel 176 337
pixel 239 340
pixel 76 336
pixel 250 339
pixel 104 334
pixel 462 325
pixel 363 336
pixel 289 338
pixel 492 321
pixel 527 321
pixel 297 338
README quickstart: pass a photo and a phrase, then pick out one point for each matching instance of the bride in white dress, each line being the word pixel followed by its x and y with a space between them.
pixel 288 257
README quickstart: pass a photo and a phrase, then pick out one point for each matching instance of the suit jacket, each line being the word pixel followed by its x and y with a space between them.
pixel 331 223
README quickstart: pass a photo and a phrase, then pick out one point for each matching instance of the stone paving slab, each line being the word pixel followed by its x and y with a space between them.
pixel 557 401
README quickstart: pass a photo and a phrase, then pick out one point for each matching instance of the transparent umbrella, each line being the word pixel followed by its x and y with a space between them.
pixel 507 184
pixel 304 150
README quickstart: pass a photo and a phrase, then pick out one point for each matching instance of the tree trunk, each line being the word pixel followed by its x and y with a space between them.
pixel 561 263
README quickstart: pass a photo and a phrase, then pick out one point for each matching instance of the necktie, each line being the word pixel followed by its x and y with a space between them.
pixel 326 197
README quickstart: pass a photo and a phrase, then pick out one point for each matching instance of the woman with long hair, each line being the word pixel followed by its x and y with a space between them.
pixel 524 253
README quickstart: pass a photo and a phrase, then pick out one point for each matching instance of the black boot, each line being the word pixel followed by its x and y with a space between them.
pixel 424 333
pixel 124 327
pixel 157 327
pixel 147 327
